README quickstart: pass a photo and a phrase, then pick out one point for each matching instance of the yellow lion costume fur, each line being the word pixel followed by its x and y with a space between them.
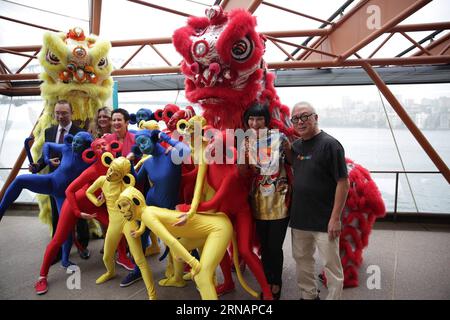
pixel 76 68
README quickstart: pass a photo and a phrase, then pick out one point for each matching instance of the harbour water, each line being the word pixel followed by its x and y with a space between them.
pixel 375 149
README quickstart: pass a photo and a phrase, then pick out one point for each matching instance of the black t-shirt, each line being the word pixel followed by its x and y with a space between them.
pixel 318 164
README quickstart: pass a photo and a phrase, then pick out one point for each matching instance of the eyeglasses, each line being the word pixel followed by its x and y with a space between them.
pixel 61 114
pixel 303 118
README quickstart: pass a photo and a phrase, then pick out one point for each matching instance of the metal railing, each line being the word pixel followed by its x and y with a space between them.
pixel 397 176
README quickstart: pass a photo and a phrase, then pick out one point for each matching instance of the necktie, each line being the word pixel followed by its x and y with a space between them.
pixel 61 136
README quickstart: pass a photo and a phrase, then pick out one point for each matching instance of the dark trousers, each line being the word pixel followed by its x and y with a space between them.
pixel 83 232
pixel 271 235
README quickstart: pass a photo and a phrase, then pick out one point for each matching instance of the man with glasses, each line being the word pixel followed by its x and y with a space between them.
pixel 56 133
pixel 319 194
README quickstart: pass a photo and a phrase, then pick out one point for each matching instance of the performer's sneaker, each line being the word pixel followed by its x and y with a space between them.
pixel 131 278
pixel 68 263
pixel 84 253
pixel 41 286
pixel 125 262
pixel 69 266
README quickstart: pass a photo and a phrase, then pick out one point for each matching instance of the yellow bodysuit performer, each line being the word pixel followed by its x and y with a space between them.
pixel 211 231
pixel 116 180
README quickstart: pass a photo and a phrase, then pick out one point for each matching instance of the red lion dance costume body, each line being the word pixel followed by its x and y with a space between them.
pixel 225 74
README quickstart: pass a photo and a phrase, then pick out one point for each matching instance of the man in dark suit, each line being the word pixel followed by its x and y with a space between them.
pixel 63 115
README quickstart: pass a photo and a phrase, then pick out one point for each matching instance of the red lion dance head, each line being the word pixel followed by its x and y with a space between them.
pixel 224 69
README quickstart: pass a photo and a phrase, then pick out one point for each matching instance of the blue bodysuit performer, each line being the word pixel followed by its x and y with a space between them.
pixel 56 182
pixel 142 114
pixel 162 171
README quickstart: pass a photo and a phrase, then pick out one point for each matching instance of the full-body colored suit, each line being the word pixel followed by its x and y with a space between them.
pixel 223 180
pixel 112 185
pixel 76 68
pixel 160 171
pixel 77 202
pixel 54 183
pixel 210 230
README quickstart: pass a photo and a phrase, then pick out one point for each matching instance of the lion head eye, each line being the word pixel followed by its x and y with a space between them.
pixel 102 63
pixel 242 49
pixel 51 57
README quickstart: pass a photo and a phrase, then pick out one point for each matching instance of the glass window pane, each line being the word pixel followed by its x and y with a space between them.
pixel 17 119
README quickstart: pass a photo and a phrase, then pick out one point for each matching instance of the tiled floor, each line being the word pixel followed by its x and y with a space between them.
pixel 414 261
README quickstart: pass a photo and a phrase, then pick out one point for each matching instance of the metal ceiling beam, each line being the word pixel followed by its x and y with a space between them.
pixel 416 60
pixel 305 77
pixel 114 43
pixel 250 5
pixel 4 68
pixel 381 45
pixel 20 76
pixel 296 33
pixel 357 62
pixel 153 70
pixel 430 37
pixel 28 24
pixel 154 6
pixel 421 27
pixel 303 47
pixel 414 42
pixel 296 13
pixel 437 46
pixel 27 62
pixel 253 6
pixel 277 34
pixel 19 92
pixel 344 41
pixel 95 17
pixel 132 56
pixel 18 53
pixel 337 13
pixel 4 86
pixel 284 78
pixel 391 15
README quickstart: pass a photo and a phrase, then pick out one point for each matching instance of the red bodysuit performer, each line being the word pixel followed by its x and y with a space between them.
pixel 76 205
pixel 224 179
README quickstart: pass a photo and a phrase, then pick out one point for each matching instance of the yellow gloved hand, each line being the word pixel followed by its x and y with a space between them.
pixel 184 217
pixel 139 232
